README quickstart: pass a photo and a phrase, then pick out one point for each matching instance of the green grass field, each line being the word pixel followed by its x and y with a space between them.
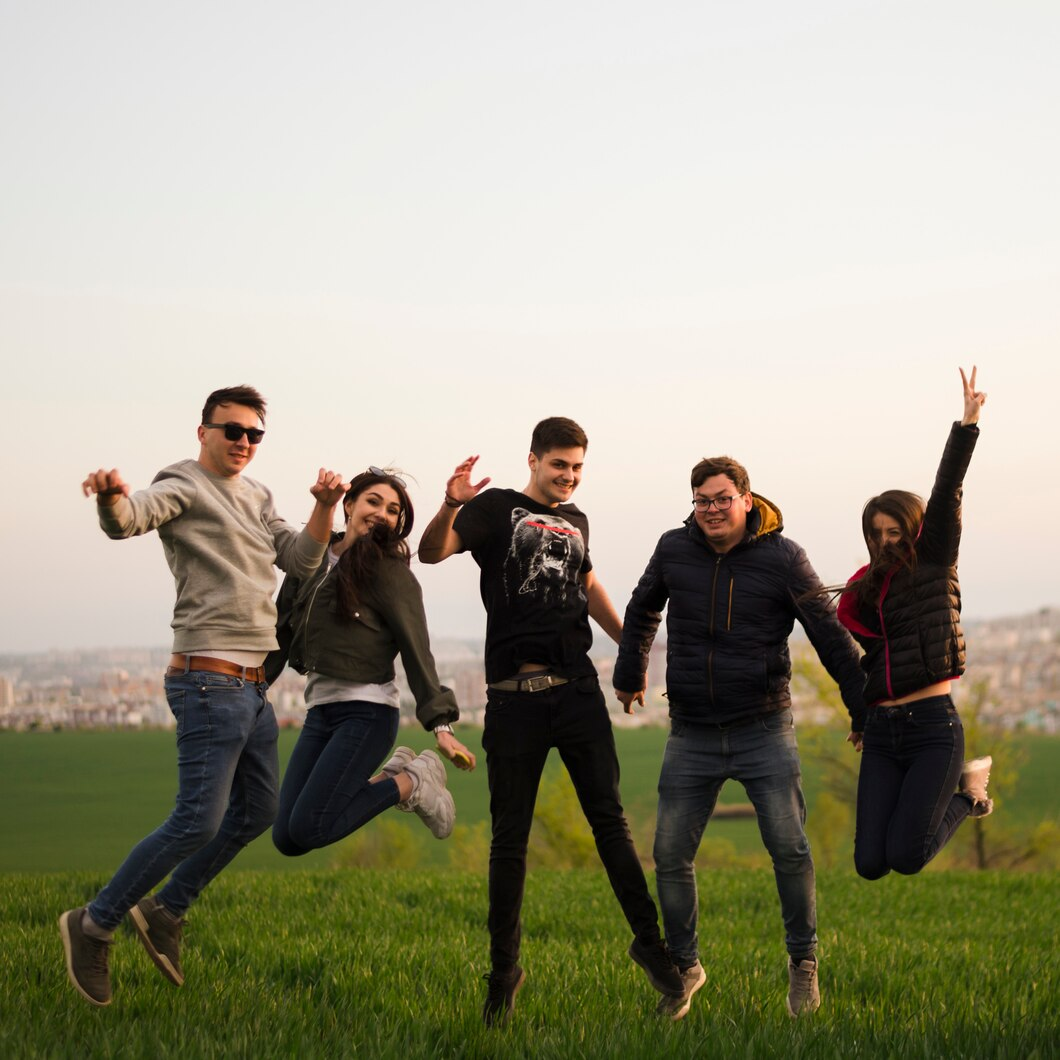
pixel 388 964
pixel 79 800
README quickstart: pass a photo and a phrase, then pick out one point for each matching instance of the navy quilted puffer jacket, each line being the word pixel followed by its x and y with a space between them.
pixel 728 619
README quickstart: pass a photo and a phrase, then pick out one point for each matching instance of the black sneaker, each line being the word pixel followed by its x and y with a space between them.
pixel 655 959
pixel 87 959
pixel 501 989
pixel 160 932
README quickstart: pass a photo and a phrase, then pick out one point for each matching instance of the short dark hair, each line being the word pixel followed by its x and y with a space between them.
pixel 710 466
pixel 234 395
pixel 557 432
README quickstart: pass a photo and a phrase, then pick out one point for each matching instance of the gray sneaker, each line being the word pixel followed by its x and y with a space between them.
pixel 431 801
pixel 398 760
pixel 160 932
pixel 677 1007
pixel 87 959
pixel 803 992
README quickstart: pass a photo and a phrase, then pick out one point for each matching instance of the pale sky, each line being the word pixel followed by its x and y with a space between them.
pixel 772 230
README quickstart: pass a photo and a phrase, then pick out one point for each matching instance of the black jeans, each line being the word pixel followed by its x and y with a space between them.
pixel 908 807
pixel 521 728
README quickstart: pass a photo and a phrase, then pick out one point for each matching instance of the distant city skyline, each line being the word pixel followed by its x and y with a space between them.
pixel 768 230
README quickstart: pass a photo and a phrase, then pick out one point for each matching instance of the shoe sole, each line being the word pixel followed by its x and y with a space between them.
pixel 162 962
pixel 680 1013
pixel 64 930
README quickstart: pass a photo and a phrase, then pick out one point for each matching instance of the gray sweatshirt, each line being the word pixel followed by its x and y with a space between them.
pixel 222 538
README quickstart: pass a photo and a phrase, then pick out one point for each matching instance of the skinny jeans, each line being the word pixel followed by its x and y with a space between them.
pixel 228 772
pixel 326 793
pixel 520 730
pixel 763 756
pixel 908 805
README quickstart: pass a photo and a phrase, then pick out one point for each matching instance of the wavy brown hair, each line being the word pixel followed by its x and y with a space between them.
pixel 907 510
pixel 358 565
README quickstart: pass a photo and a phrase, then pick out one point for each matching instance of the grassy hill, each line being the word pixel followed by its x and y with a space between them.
pixel 388 964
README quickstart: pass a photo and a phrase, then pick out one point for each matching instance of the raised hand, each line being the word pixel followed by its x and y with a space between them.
pixel 973 399
pixel 107 484
pixel 329 488
pixel 460 489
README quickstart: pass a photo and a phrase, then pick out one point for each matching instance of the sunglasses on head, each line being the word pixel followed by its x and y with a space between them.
pixel 235 431
pixel 383 473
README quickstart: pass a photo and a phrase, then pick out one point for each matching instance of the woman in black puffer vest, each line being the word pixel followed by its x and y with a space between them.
pixel 903 608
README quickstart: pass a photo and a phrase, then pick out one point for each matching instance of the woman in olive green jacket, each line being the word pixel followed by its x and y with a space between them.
pixel 347 623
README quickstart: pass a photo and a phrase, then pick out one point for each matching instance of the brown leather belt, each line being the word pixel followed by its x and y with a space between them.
pixel 537 683
pixel 179 664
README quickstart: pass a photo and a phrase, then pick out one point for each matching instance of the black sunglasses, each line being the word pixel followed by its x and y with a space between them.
pixel 235 431
pixel 383 473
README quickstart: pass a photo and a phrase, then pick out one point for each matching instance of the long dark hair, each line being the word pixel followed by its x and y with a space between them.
pixel 907 510
pixel 357 566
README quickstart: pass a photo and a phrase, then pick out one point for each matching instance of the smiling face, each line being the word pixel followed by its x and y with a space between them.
pixel 216 453
pixel 554 475
pixel 378 504
pixel 723 530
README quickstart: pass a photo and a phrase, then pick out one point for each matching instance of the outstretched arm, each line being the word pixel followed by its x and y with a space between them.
pixel 440 540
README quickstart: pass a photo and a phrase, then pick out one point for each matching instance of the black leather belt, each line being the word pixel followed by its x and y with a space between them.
pixel 534 683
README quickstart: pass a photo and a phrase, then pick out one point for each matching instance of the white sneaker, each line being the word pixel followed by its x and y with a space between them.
pixel 974 777
pixel 431 801
pixel 677 1007
pixel 803 992
pixel 397 761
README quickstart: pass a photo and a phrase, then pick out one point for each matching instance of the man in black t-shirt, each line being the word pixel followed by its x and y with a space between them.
pixel 539 591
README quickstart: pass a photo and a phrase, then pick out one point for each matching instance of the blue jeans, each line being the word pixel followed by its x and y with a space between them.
pixel 908 805
pixel 763 756
pixel 521 728
pixel 325 793
pixel 227 774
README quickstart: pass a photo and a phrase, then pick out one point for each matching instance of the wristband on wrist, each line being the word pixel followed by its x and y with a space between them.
pixel 451 502
pixel 444 727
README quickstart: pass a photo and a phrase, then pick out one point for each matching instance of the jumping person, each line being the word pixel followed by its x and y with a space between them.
pixel 222 538
pixel 539 590
pixel 349 620
pixel 904 608
pixel 733 587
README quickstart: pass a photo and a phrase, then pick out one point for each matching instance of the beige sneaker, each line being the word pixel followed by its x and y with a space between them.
pixel 974 777
pixel 431 801
pixel 803 992
pixel 677 1007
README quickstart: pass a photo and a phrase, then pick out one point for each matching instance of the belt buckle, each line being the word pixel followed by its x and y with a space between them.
pixel 537 684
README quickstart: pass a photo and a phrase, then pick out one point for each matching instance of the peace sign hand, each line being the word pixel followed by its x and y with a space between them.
pixel 973 399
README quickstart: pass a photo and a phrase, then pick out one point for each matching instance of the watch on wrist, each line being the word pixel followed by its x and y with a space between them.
pixel 444 727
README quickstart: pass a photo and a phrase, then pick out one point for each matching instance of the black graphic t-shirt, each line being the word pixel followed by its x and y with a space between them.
pixel 532 558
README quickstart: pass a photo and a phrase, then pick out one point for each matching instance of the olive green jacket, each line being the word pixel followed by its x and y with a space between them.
pixel 389 620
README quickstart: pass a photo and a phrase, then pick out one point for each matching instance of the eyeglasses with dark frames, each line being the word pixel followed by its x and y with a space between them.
pixel 235 431
pixel 704 504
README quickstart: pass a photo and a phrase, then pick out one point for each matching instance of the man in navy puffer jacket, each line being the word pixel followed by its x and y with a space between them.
pixel 733 586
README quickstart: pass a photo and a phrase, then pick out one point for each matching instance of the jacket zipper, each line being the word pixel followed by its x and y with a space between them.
pixel 710 654
pixel 308 610
pixel 886 651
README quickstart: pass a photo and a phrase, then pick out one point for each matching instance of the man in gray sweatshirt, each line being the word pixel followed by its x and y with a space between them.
pixel 222 539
